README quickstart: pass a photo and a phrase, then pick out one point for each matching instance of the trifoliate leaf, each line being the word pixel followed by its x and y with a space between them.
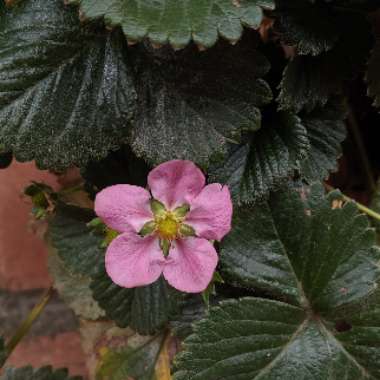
pixel 67 96
pixel 191 106
pixel 76 244
pixel 267 160
pixel 257 339
pixel 326 135
pixel 311 28
pixel 145 309
pixel 324 257
pixel 44 373
pixel 74 289
pixel 136 363
pixel 179 22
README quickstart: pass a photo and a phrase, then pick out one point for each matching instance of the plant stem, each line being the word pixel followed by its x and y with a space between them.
pixel 360 206
pixel 25 326
pixel 354 127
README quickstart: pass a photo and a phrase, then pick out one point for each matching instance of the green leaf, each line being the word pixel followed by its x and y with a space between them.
pixel 43 373
pixel 324 258
pixel 145 309
pixel 257 339
pixel 118 167
pixel 192 308
pixel 131 362
pixel 77 245
pixel 309 82
pixel 74 289
pixel 266 160
pixel 191 105
pixel 178 22
pixel 311 28
pixel 326 134
pixel 67 95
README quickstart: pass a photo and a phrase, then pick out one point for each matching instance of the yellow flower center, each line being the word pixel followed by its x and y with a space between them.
pixel 168 227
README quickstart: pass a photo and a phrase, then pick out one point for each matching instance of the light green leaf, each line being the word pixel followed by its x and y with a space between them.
pixel 180 21
pixel 43 373
pixel 266 160
pixel 67 96
pixel 257 339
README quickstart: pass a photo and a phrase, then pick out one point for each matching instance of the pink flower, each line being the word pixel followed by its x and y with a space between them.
pixel 167 230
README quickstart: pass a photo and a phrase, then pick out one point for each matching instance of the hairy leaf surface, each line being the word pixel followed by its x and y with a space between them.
pixel 145 309
pixel 77 245
pixel 325 256
pixel 66 93
pixel 191 105
pixel 178 22
pixel 266 160
pixel 257 339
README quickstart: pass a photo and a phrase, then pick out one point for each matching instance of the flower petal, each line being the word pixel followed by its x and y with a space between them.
pixel 134 261
pixel 211 212
pixel 190 264
pixel 176 182
pixel 124 206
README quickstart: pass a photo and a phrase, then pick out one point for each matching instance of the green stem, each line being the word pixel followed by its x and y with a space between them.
pixel 25 326
pixel 354 127
pixel 360 206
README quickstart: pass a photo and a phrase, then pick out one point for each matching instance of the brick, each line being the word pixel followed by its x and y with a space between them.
pixel 61 351
pixel 22 252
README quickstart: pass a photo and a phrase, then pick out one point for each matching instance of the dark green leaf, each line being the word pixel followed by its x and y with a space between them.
pixel 309 82
pixel 67 96
pixel 308 254
pixel 3 354
pixel 78 247
pixel 145 309
pixel 118 167
pixel 191 105
pixel 256 339
pixel 326 135
pixel 192 308
pixel 44 373
pixel 270 156
pixel 311 28
pixel 6 159
pixel 179 22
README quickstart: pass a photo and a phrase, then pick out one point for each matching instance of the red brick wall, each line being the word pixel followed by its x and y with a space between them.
pixel 23 267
